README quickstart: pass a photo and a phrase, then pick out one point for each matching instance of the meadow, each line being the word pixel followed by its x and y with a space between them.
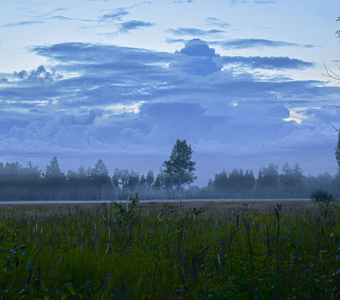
pixel 195 250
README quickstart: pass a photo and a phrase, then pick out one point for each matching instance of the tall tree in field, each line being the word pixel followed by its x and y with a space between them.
pixel 180 162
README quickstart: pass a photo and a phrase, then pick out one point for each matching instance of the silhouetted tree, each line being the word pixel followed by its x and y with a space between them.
pixel 180 162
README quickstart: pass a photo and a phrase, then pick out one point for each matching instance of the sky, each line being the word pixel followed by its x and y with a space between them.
pixel 241 80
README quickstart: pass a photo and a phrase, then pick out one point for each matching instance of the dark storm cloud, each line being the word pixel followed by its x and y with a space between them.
pixel 193 31
pixel 256 43
pixel 132 25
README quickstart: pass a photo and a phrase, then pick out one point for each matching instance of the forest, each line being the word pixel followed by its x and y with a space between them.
pixel 271 182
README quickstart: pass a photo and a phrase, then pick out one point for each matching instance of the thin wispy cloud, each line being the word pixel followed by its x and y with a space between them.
pixel 216 22
pixel 173 41
pixel 61 18
pixel 128 26
pixel 256 43
pixel 235 2
pixel 268 63
pixel 193 32
pixel 116 15
pixel 22 23
pixel 182 1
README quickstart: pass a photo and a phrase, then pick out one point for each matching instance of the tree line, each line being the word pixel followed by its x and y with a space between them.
pixel 30 183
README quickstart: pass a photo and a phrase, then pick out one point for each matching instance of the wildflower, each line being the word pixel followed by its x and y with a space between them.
pixel 337 257
pixel 332 234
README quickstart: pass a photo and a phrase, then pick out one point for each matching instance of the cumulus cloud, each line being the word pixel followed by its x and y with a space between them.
pixel 41 74
pixel 196 58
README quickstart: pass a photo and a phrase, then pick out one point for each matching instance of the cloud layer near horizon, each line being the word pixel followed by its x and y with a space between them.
pixel 129 105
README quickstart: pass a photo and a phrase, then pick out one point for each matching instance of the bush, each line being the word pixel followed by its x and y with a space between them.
pixel 319 195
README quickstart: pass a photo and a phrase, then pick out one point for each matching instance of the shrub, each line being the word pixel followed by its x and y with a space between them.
pixel 319 195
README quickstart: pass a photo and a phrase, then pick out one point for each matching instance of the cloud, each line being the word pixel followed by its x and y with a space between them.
pixel 39 75
pixel 210 21
pixel 130 105
pixel 70 120
pixel 61 18
pixel 116 15
pixel 172 41
pixel 252 1
pixel 22 23
pixel 193 31
pixel 183 1
pixel 196 58
pixel 256 43
pixel 126 27
pixel 268 63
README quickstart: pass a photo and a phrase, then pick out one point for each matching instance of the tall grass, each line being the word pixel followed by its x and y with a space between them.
pixel 166 252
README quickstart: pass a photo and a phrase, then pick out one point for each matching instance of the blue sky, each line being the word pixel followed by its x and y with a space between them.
pixel 240 80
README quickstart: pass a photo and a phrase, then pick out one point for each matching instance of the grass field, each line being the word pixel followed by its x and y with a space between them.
pixel 194 250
